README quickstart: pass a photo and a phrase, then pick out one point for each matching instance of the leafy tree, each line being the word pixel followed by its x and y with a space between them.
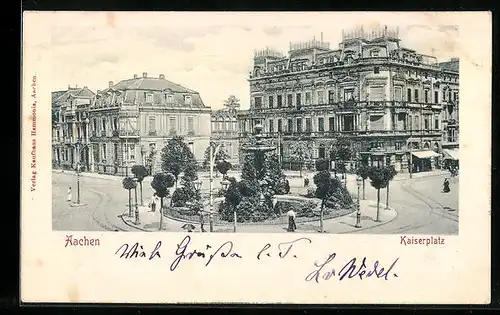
pixel 223 167
pixel 233 198
pixel 325 188
pixel 378 179
pixel 248 171
pixel 129 184
pixel 232 103
pixel 161 183
pixel 390 172
pixel 300 152
pixel 274 177
pixel 176 157
pixel 140 172
pixel 363 171
pixel 221 155
pixel 322 165
pixel 341 153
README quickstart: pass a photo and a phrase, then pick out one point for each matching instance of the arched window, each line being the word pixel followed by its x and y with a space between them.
pixel 321 151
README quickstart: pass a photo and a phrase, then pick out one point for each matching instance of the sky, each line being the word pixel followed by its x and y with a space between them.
pixel 208 52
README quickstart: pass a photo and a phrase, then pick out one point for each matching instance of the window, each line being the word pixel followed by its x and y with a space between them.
pixel 152 125
pixel 290 126
pixel 320 97
pixel 190 124
pixel 426 96
pixel 280 101
pixel 103 125
pixel 271 101
pixel 298 100
pixel 417 123
pixel 289 100
pixel 271 125
pixel 348 95
pixel 280 125
pixel 408 96
pixel 426 123
pixel 321 151
pixel 131 152
pixel 149 98
pixel 170 99
pixel 331 123
pixel 94 122
pixel 299 124
pixel 436 97
pixel 321 124
pixel 187 99
pixel 376 93
pixel 115 123
pixel 398 145
pixel 173 124
pixel 449 95
pixel 308 98
pixel 398 94
pixel 258 102
pixel 436 123
pixel 416 95
pixel 103 151
pixel 374 53
pixel 444 96
pixel 331 97
pixel 308 125
pixel 376 70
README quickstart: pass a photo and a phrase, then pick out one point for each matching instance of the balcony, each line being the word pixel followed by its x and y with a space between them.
pixel 128 133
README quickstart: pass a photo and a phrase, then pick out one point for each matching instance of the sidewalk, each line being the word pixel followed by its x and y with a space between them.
pixel 149 222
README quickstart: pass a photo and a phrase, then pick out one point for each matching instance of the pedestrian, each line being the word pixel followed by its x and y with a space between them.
pixel 69 194
pixel 291 221
pixel 153 202
pixel 306 181
pixel 202 220
pixel 446 186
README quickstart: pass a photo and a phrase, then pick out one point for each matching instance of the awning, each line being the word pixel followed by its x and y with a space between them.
pixel 425 154
pixel 450 154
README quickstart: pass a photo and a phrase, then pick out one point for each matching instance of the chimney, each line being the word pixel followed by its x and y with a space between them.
pixel 110 83
pixel 162 76
pixel 144 74
pixel 135 76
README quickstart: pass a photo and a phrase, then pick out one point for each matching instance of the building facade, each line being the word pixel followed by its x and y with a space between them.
pixel 131 121
pixel 70 128
pixel 389 100
pixel 225 131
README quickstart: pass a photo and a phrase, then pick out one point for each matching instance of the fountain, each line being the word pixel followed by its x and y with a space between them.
pixel 259 146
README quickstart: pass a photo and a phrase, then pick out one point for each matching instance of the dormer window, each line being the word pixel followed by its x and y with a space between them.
pixel 187 99
pixel 170 99
pixel 149 98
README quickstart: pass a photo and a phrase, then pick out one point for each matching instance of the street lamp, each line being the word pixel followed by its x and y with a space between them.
pixel 78 165
pixel 136 205
pixel 214 149
pixel 359 181
pixel 224 186
pixel 198 204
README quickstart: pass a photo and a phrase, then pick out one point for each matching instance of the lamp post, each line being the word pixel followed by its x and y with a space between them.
pixel 137 222
pixel 78 182
pixel 197 185
pixel 224 183
pixel 214 149
pixel 359 181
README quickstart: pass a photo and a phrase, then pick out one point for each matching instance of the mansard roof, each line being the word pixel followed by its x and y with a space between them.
pixel 151 84
pixel 58 97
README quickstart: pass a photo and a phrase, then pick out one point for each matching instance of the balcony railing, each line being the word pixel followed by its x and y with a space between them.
pixel 336 133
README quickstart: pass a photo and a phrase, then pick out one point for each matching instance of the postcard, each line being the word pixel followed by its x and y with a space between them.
pixel 256 157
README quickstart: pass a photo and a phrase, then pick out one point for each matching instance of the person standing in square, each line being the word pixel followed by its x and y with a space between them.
pixel 69 195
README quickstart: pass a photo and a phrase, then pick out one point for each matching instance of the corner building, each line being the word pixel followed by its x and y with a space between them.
pixel 131 122
pixel 387 99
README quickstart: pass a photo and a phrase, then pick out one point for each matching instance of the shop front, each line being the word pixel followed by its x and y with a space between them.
pixel 451 158
pixel 425 161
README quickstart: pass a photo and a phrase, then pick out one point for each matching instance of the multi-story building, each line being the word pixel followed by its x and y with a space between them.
pixel 388 99
pixel 450 110
pixel 70 136
pixel 131 121
pixel 225 131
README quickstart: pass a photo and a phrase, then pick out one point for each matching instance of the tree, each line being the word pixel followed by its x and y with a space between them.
pixel 140 172
pixel 378 179
pixel 248 170
pixel 176 157
pixel 129 184
pixel 232 103
pixel 341 153
pixel 188 191
pixel 390 172
pixel 322 165
pixel 161 183
pixel 233 198
pixel 325 188
pixel 223 167
pixel 363 171
pixel 300 152
pixel 220 156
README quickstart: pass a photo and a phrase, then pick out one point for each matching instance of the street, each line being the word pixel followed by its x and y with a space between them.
pixel 421 206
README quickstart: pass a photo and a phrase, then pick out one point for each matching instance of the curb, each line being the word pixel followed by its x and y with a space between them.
pixel 377 225
pixel 132 225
